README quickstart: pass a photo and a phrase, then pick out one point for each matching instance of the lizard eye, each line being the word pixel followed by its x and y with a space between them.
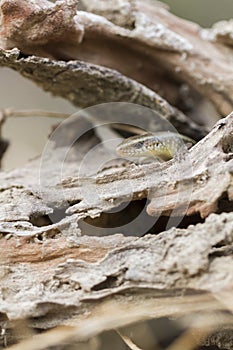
pixel 139 144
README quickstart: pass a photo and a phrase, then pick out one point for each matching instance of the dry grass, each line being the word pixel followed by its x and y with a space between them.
pixel 201 315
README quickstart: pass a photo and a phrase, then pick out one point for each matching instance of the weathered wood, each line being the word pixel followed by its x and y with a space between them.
pixel 196 181
pixel 51 267
pixel 98 267
pixel 47 279
pixel 62 216
pixel 150 51
pixel 86 84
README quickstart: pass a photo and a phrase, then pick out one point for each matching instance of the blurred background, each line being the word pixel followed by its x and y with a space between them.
pixel 29 134
pixel 203 12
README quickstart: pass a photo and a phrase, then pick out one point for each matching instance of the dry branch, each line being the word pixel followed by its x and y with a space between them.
pixel 197 181
pixel 151 51
pixel 67 272
pixel 85 84
pixel 58 270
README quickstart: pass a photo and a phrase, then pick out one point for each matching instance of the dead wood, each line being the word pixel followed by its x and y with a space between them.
pixel 85 84
pixel 189 183
pixel 161 253
pixel 98 267
pixel 221 31
pixel 50 273
pixel 52 285
pixel 150 51
pixel 69 238
pixel 195 182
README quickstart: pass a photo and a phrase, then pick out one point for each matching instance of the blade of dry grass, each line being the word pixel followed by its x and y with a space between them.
pixel 113 316
pixel 128 341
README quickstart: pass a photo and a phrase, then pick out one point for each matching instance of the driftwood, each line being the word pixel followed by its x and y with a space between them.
pixel 150 51
pixel 79 226
pixel 196 182
pixel 77 81
pixel 54 269
pixel 73 274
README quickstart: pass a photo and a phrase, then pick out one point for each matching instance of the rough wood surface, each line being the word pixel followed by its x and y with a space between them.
pixel 59 270
pixel 151 52
pixel 86 84
pixel 196 181
pixel 38 278
pixel 73 221
pixel 49 269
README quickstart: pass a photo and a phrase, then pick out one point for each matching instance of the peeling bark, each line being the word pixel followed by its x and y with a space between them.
pixel 59 270
pixel 85 84
pixel 44 285
pixel 73 222
pixel 182 54
pixel 194 182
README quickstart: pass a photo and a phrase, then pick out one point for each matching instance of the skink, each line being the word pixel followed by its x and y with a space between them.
pixel 163 145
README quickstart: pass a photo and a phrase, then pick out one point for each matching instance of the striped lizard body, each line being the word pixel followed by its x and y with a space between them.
pixel 163 145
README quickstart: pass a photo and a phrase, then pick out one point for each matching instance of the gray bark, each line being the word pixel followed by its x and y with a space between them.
pixel 72 222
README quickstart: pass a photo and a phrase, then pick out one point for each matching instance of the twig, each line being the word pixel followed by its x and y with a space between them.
pixel 9 112
pixel 128 341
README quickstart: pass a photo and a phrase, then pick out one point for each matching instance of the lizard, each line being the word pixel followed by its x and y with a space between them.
pixel 162 145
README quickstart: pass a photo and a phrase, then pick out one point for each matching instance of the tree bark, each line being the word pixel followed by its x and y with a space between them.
pixel 93 242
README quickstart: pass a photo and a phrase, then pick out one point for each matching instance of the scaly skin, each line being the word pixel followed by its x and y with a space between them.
pixel 163 145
